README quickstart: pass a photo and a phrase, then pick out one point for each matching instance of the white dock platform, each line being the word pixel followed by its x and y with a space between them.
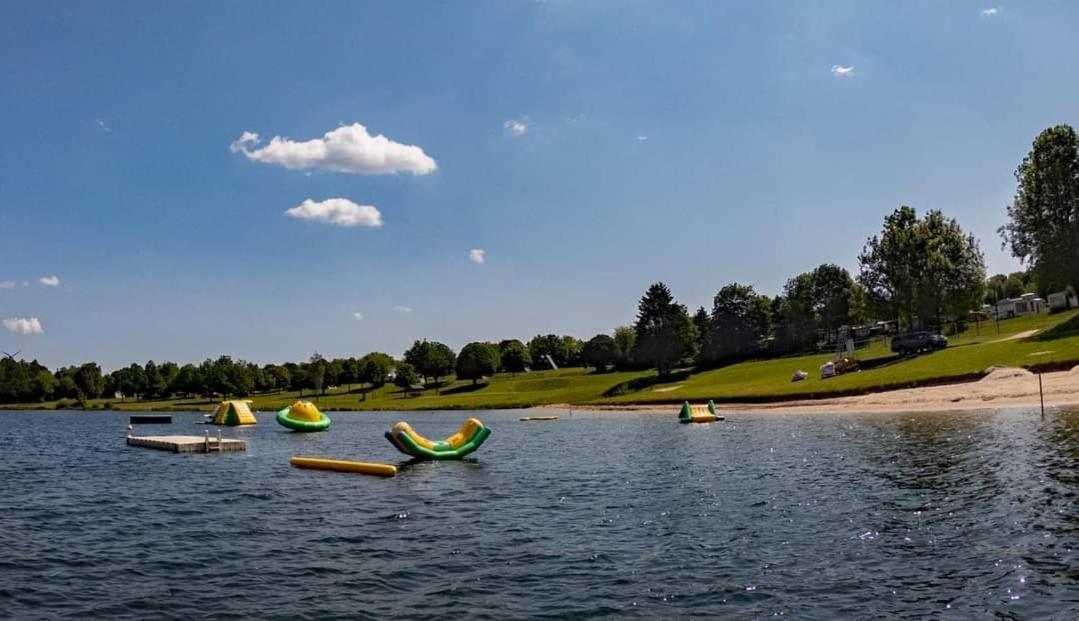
pixel 188 444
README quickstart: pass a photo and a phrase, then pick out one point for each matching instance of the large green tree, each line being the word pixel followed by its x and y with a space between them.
pixel 477 360
pixel 665 331
pixel 374 368
pixel 515 356
pixel 740 320
pixel 599 352
pixel 625 340
pixel 922 270
pixel 1043 220
pixel 431 359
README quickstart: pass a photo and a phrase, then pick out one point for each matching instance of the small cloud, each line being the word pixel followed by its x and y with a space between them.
pixel 404 310
pixel 25 283
pixel 102 125
pixel 357 316
pixel 641 137
pixel 7 284
pixel 19 325
pixel 338 211
pixel 347 149
pixel 50 281
pixel 841 71
pixel 477 255
pixel 515 128
pixel 990 12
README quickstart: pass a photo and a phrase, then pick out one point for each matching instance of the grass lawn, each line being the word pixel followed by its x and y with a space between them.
pixel 968 355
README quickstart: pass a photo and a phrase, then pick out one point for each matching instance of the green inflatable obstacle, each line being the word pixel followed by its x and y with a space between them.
pixel 472 434
pixel 303 416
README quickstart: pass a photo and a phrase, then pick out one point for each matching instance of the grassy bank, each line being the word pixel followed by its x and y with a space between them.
pixel 1056 344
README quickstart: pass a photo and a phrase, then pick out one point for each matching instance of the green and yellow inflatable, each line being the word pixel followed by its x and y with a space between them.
pixel 468 438
pixel 303 416
pixel 234 413
pixel 698 413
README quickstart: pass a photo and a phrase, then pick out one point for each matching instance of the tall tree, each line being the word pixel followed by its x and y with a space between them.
pixel 405 376
pixel 543 345
pixel 740 321
pixel 90 381
pixel 1043 220
pixel 374 368
pixel 665 332
pixel 625 340
pixel 515 356
pixel 599 352
pixel 477 360
pixel 922 270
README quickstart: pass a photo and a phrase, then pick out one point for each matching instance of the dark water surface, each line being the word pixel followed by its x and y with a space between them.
pixel 970 515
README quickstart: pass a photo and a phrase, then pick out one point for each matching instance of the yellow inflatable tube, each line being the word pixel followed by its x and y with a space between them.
pixel 338 465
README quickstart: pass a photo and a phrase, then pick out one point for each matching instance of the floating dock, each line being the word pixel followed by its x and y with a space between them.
pixel 188 444
pixel 532 418
pixel 151 420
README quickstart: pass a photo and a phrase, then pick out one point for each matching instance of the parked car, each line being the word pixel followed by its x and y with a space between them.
pixel 913 342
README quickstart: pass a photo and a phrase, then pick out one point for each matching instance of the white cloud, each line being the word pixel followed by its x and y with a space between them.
pixel 990 12
pixel 50 281
pixel 7 284
pixel 357 316
pixel 339 211
pixel 404 310
pixel 641 137
pixel 19 325
pixel 477 255
pixel 515 128
pixel 348 149
pixel 841 71
pixel 102 125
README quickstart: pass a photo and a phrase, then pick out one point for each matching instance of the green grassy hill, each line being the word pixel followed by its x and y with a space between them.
pixel 1055 344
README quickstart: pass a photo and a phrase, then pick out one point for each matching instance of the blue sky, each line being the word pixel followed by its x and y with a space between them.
pixel 588 148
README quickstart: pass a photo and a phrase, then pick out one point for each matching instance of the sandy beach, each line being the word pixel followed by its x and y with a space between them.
pixel 1001 387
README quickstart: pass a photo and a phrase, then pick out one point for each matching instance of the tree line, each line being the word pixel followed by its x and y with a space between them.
pixel 918 272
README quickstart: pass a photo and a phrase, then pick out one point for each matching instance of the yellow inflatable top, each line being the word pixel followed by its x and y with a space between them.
pixel 305 410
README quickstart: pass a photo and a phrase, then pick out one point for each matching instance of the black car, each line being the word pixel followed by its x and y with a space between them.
pixel 913 342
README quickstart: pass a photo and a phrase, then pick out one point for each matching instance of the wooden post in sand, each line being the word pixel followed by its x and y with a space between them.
pixel 1041 395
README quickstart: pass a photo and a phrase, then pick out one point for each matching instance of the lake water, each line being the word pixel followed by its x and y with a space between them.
pixel 968 515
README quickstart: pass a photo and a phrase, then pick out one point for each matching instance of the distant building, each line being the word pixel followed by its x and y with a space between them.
pixel 1026 304
pixel 1061 301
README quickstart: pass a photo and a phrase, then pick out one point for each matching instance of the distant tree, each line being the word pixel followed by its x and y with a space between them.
pixel 431 359
pixel 665 333
pixel 374 368
pixel 169 371
pixel 545 345
pixel 405 376
pixel 740 321
pixel 316 372
pixel 134 381
pixel 701 322
pixel 282 375
pixel 1043 220
pixel 831 296
pixel 242 378
pixel 350 373
pixel 922 269
pixel 625 339
pixel 90 381
pixel 515 356
pixel 599 352
pixel 572 348
pixel 187 381
pixel 335 372
pixel 477 360
pixel 44 385
pixel 156 386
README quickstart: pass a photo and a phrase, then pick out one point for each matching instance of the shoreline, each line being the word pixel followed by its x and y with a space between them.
pixel 1006 387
